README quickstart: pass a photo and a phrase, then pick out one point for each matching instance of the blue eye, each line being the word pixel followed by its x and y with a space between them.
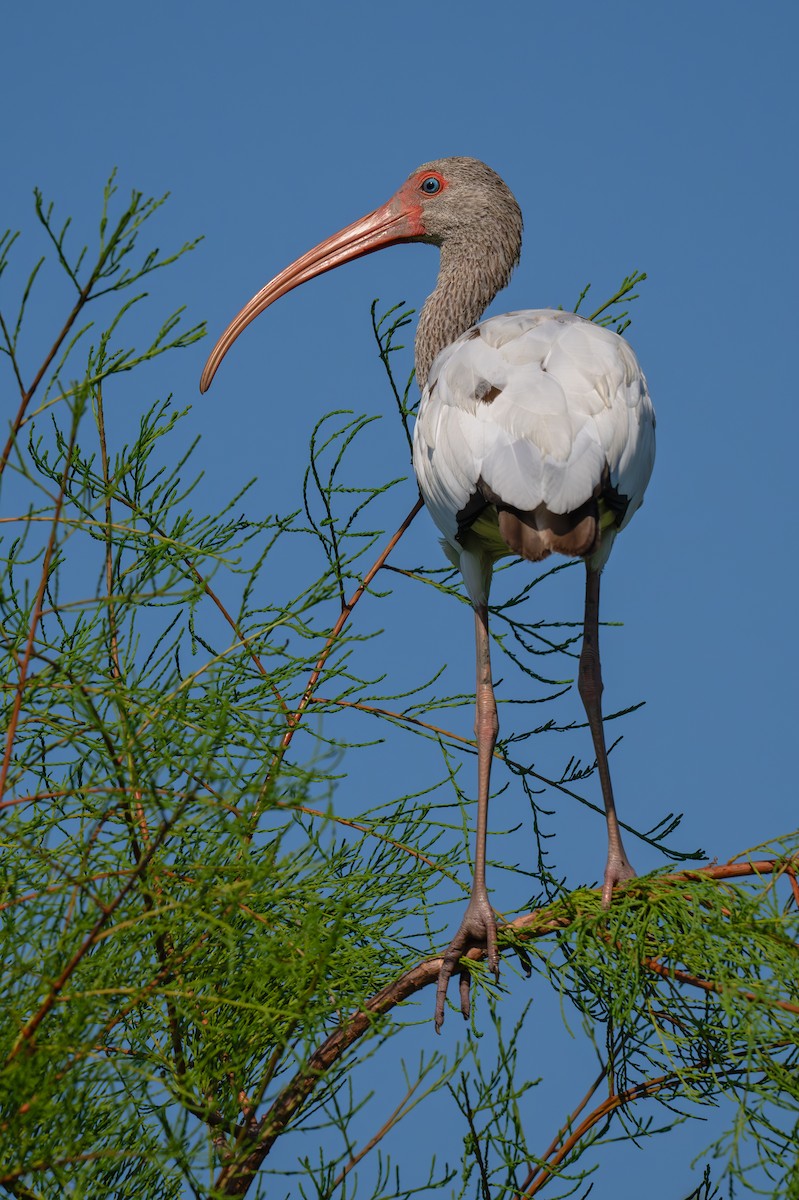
pixel 431 185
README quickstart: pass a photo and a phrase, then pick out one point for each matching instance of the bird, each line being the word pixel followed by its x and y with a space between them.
pixel 535 434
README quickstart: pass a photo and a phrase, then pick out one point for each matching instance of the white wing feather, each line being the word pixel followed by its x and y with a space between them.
pixel 537 404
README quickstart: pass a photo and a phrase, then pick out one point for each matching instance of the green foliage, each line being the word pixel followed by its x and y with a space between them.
pixel 202 949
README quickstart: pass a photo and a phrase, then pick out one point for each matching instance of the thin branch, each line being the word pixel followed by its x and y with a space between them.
pixel 386 1127
pixel 58 984
pixel 602 1112
pixel 791 873
pixel 210 593
pixel 402 719
pixel 83 297
pixel 11 352
pixel 475 1141
pixel 37 608
pixel 244 641
pixel 708 985
pixel 500 753
pixel 536 1181
pixel 556 1141
pixel 346 613
pixel 381 837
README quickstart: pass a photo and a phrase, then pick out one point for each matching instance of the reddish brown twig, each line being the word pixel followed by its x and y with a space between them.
pixel 708 985
pixel 791 873
pixel 553 1145
pixel 603 1111
pixel 400 718
pixel 344 616
pixel 396 1116
pixel 37 612
pixel 558 1150
pixel 58 984
pixel 83 297
pixel 295 719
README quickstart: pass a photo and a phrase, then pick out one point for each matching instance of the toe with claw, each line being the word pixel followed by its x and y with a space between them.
pixel 477 931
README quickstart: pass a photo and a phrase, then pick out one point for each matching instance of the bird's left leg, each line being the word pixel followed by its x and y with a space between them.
pixel 479 925
pixel 589 683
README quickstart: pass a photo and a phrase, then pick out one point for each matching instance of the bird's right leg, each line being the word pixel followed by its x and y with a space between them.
pixel 479 925
pixel 589 683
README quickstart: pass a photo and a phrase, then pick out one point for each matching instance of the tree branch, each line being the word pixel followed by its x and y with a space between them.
pixel 236 1177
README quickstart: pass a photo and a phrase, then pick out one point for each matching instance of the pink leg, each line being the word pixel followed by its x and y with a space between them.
pixel 589 683
pixel 479 925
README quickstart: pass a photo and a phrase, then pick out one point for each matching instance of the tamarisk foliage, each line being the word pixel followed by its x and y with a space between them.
pixel 209 938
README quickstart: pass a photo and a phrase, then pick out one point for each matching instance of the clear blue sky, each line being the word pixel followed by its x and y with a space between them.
pixel 656 136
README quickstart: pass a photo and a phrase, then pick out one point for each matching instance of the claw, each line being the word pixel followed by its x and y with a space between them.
pixel 466 1005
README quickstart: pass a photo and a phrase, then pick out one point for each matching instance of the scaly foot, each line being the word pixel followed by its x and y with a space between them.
pixel 617 870
pixel 478 930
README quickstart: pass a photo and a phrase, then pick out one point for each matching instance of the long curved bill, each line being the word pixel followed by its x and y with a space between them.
pixel 384 227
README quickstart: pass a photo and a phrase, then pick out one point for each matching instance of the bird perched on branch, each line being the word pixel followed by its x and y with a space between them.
pixel 535 435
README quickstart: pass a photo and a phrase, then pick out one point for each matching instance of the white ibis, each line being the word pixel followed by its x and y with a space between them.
pixel 535 434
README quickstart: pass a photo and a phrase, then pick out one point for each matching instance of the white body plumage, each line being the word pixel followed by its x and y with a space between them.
pixel 538 405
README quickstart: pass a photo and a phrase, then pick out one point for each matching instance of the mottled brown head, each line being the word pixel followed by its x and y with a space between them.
pixel 472 206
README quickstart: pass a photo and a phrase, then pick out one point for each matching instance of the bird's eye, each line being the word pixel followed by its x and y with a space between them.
pixel 430 185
